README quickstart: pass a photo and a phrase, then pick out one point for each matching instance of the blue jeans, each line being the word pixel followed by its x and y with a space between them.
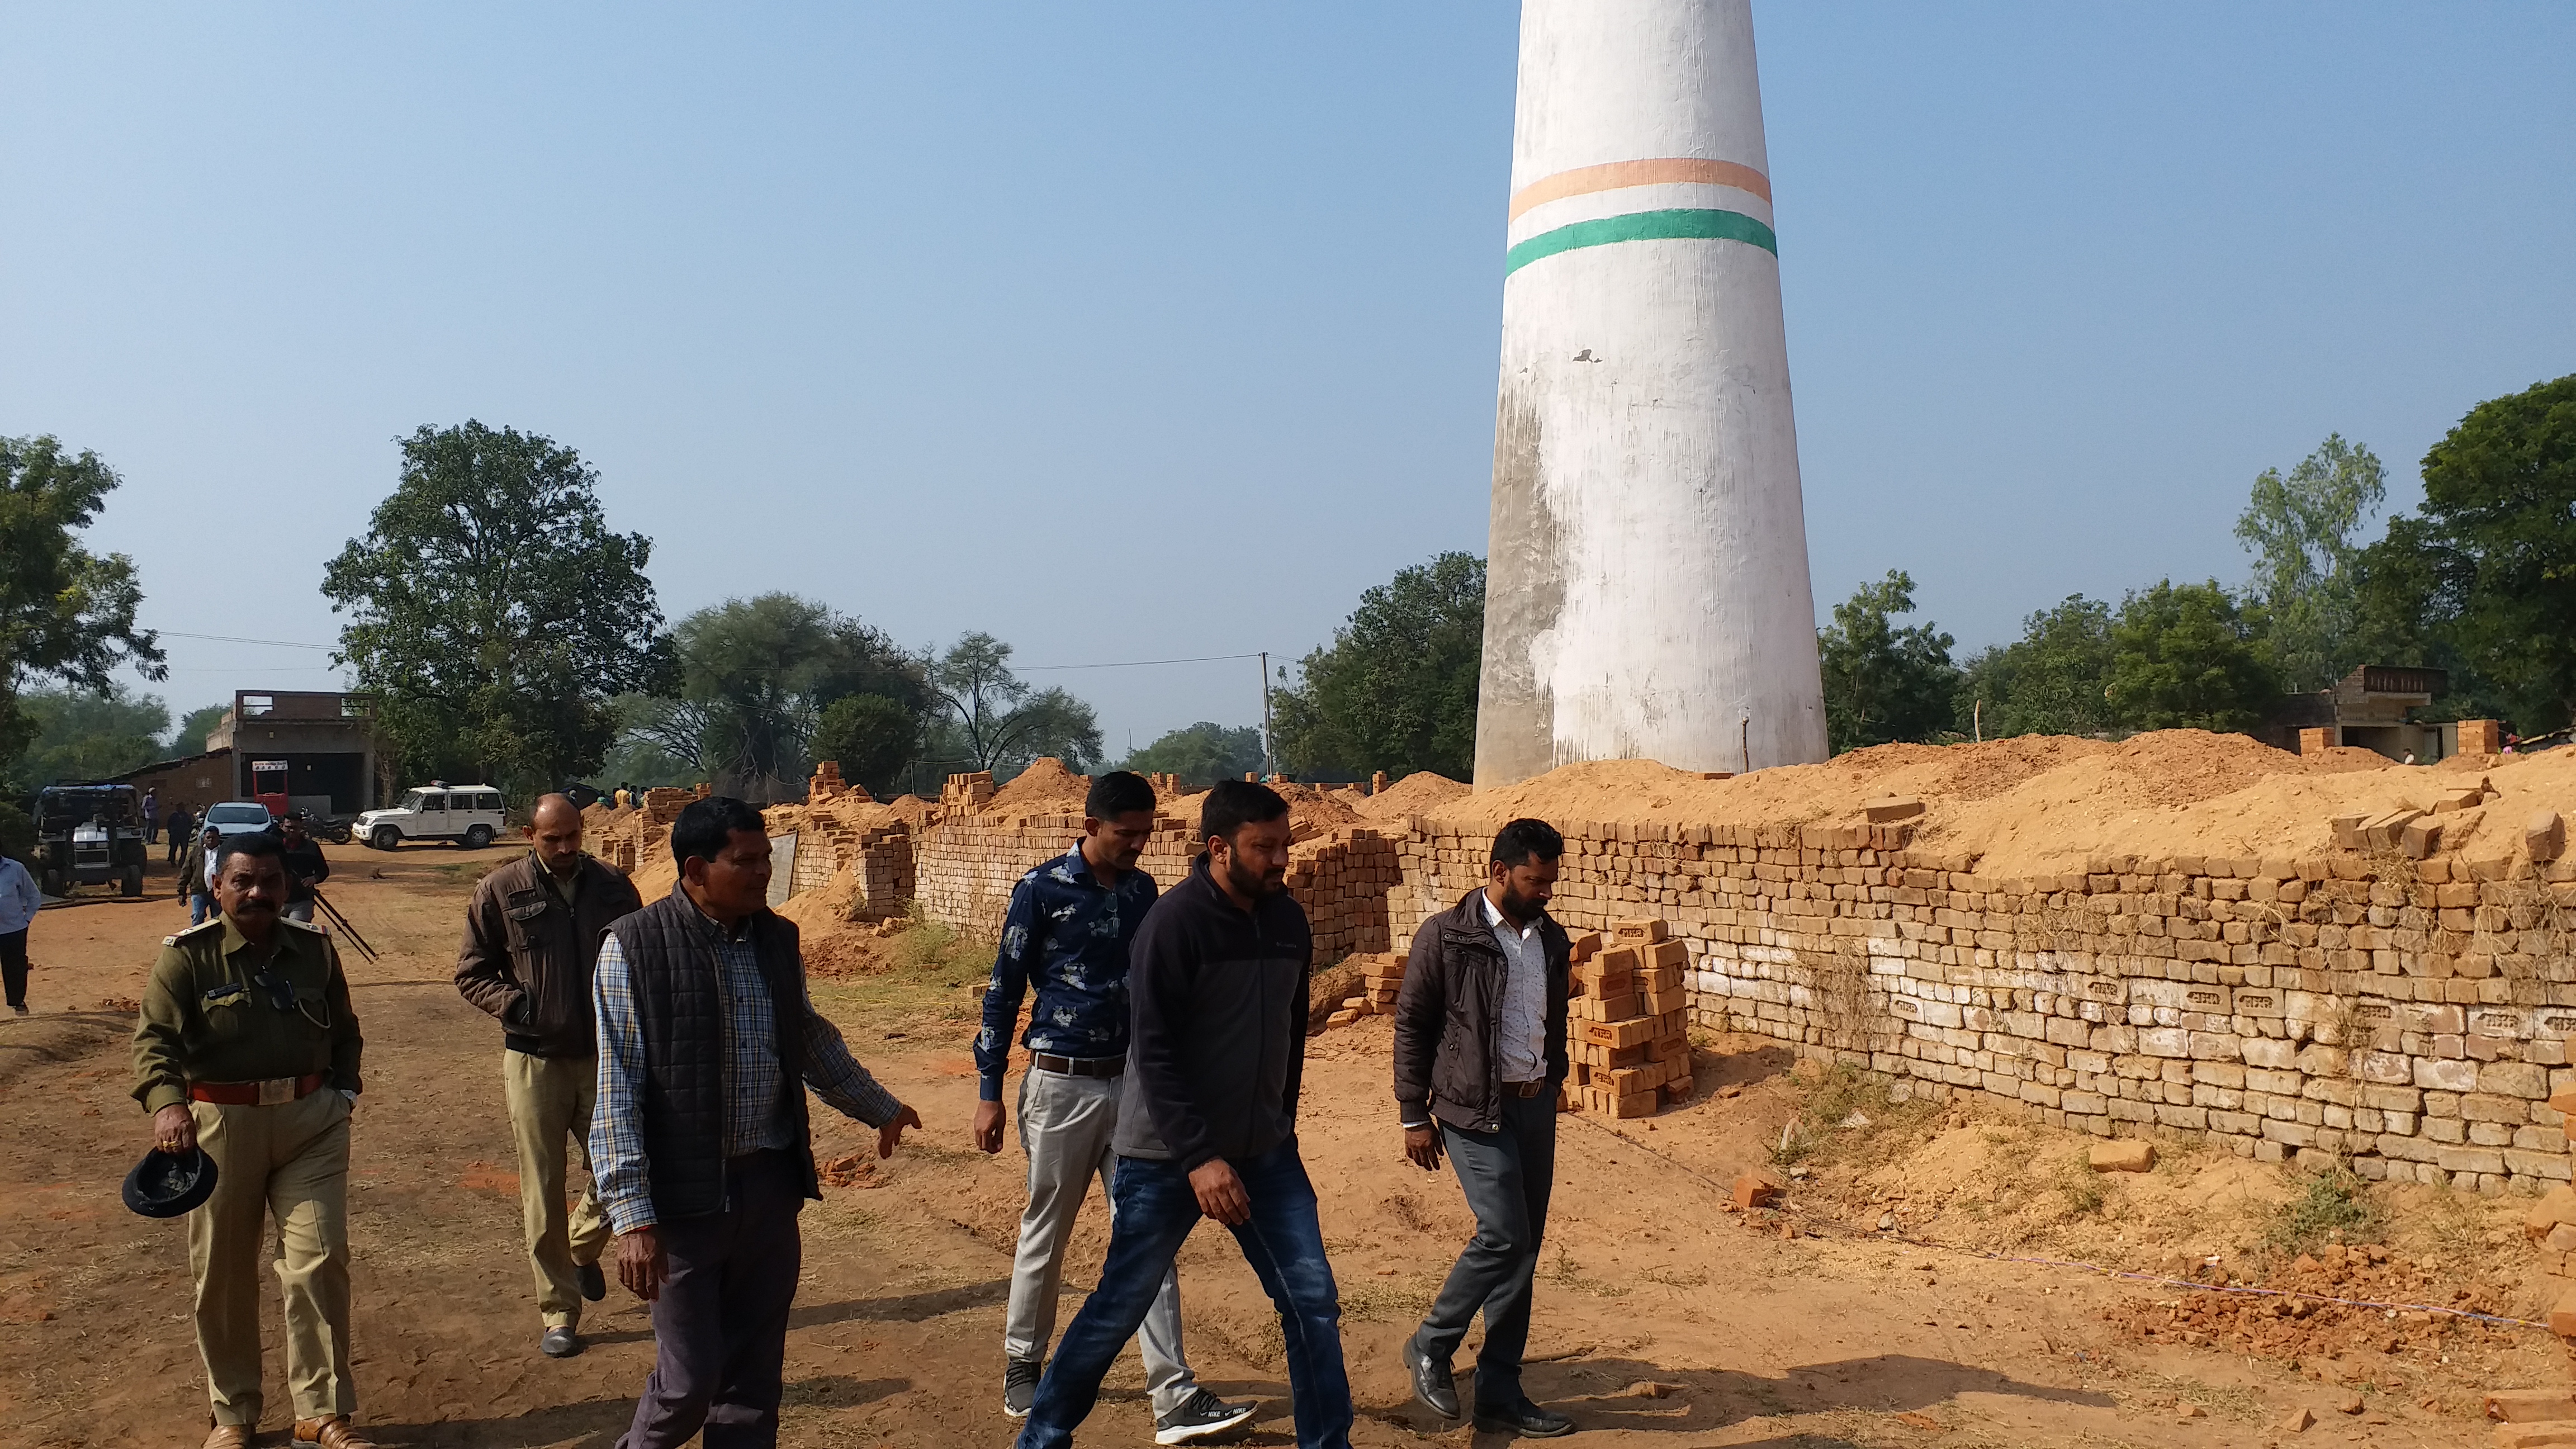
pixel 1153 1211
pixel 200 906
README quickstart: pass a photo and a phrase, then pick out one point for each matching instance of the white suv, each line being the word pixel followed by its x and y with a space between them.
pixel 470 815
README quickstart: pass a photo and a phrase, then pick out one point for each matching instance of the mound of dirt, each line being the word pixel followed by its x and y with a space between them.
pixel 1415 794
pixel 911 809
pixel 1046 787
pixel 1315 810
pixel 2037 804
pixel 655 872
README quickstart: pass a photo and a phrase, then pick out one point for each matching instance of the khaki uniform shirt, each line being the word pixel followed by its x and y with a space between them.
pixel 207 1017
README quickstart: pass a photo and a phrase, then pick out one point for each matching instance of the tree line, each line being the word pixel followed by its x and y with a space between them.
pixel 2479 581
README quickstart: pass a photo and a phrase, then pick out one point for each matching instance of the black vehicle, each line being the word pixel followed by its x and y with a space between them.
pixel 89 835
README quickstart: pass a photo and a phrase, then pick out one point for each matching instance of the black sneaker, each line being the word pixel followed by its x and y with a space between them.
pixel 1434 1385
pixel 1020 1386
pixel 594 1283
pixel 1197 1417
pixel 1525 1419
pixel 559 1342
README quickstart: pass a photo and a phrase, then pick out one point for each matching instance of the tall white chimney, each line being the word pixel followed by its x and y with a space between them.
pixel 1647 592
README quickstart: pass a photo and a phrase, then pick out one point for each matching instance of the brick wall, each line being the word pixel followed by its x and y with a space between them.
pixel 2408 1016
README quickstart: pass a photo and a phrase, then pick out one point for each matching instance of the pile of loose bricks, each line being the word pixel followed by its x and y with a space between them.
pixel 1381 981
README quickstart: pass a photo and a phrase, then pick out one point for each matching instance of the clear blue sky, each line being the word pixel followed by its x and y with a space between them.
pixel 1128 332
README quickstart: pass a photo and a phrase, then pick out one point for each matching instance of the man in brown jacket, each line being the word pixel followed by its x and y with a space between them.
pixel 1479 1055
pixel 532 939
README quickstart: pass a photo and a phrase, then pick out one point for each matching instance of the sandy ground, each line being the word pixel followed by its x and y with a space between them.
pixel 1662 1320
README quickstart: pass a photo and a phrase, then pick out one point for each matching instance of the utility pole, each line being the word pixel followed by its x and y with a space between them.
pixel 1269 766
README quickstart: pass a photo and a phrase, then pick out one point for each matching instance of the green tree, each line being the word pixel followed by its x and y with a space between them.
pixel 66 614
pixel 2186 656
pixel 2482 579
pixel 999 722
pixel 493 613
pixel 759 674
pixel 2301 529
pixel 2048 682
pixel 639 756
pixel 1396 689
pixel 83 734
pixel 1884 683
pixel 871 737
pixel 194 726
pixel 1201 754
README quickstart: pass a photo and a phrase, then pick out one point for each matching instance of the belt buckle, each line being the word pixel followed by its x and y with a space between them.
pixel 276 1091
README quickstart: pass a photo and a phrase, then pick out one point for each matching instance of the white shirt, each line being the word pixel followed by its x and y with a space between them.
pixel 1520 1035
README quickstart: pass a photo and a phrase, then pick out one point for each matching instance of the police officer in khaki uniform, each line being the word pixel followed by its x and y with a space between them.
pixel 247 1047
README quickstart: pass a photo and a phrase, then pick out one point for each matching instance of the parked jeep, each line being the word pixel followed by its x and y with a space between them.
pixel 468 815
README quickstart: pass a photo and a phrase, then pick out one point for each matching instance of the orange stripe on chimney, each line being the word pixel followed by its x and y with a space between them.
pixel 1610 176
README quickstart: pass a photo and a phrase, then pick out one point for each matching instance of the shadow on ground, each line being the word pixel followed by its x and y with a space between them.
pixel 1593 1392
pixel 600 1421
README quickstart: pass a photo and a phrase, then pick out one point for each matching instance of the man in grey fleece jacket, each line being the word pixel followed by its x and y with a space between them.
pixel 1217 982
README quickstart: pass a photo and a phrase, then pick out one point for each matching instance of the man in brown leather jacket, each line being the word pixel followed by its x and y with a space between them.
pixel 532 938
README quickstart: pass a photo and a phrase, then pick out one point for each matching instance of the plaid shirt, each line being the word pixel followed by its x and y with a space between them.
pixel 755 1110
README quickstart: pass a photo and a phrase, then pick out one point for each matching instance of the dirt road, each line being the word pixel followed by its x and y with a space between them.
pixel 1661 1320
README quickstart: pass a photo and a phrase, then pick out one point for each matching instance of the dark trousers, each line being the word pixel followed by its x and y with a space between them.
pixel 720 1326
pixel 1507 1174
pixel 13 966
pixel 1153 1210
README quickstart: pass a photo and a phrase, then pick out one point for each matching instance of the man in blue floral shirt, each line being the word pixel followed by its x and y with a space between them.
pixel 1066 936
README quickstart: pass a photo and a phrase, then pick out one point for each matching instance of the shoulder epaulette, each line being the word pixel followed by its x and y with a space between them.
pixel 212 923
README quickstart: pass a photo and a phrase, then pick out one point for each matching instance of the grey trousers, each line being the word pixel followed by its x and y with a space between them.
pixel 1065 1126
pixel 720 1326
pixel 1507 1174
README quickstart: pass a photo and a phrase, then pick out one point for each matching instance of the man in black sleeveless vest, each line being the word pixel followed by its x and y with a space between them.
pixel 699 1144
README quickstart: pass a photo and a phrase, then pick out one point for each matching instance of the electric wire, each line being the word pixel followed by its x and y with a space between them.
pixel 230 639
pixel 1134 663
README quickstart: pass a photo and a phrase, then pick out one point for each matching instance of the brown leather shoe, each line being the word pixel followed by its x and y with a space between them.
pixel 334 1432
pixel 229 1436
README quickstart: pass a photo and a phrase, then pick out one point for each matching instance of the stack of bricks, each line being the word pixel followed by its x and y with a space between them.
pixel 2551 1227
pixel 883 864
pixel 663 805
pixel 1166 785
pixel 1342 880
pixel 827 784
pixel 1627 1027
pixel 965 794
